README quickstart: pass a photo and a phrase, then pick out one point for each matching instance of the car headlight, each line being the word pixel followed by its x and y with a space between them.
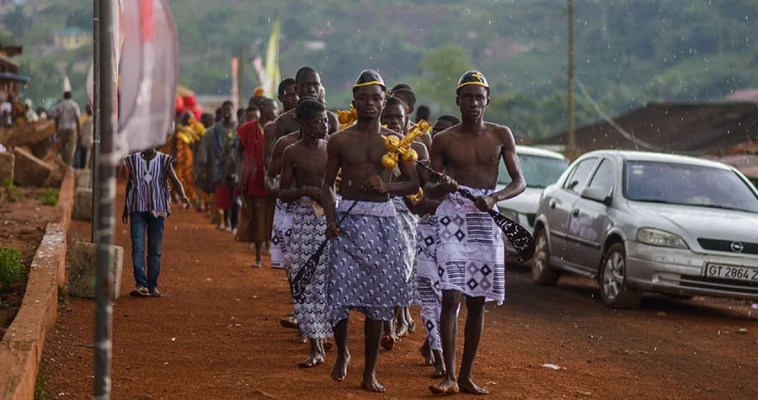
pixel 510 214
pixel 657 237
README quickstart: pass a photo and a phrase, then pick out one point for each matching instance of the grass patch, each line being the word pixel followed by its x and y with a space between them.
pixel 9 192
pixel 63 296
pixel 40 386
pixel 11 267
pixel 49 197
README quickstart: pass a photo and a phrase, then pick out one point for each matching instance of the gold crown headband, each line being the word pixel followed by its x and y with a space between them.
pixel 472 83
pixel 368 84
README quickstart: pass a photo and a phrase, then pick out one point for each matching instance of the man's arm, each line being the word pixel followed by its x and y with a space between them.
pixel 269 139
pixel 177 183
pixel 437 188
pixel 512 164
pixel 125 214
pixel 275 168
pixel 334 122
pixel 78 122
pixel 328 195
pixel 409 185
pixel 423 156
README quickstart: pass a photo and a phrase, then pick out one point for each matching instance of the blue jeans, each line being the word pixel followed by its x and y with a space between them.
pixel 140 222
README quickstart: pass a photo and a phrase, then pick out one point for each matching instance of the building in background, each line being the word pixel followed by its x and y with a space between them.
pixel 10 80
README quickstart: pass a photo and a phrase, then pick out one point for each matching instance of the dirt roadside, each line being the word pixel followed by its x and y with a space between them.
pixel 216 336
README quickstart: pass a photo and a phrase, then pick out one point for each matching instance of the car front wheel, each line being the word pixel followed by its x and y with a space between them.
pixel 542 272
pixel 614 288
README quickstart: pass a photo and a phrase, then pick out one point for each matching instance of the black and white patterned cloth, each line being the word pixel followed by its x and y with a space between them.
pixel 312 311
pixel 367 267
pixel 471 251
pixel 281 236
pixel 408 223
pixel 428 280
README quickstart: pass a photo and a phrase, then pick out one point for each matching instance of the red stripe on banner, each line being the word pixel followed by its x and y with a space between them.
pixel 147 20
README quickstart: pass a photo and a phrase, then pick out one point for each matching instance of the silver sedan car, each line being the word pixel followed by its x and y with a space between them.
pixel 648 222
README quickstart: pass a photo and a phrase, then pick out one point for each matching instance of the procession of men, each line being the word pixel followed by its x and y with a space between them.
pixel 353 232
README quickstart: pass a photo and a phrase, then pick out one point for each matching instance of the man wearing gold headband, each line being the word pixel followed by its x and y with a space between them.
pixel 367 269
pixel 470 252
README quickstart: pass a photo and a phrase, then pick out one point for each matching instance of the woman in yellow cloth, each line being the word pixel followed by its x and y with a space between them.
pixel 186 136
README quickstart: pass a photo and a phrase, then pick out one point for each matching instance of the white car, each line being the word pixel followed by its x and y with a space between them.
pixel 541 168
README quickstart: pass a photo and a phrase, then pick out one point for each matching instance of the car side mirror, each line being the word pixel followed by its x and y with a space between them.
pixel 597 195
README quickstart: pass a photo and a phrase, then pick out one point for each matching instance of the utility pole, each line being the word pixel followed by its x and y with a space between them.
pixel 105 220
pixel 241 79
pixel 95 113
pixel 571 151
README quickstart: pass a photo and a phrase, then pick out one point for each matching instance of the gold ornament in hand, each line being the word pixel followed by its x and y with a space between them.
pixel 347 117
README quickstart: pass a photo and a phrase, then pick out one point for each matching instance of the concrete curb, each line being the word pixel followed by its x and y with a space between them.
pixel 22 345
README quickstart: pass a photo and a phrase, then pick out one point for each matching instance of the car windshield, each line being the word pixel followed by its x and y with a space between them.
pixel 539 171
pixel 691 185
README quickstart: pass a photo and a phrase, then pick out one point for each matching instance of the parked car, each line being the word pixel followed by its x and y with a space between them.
pixel 541 168
pixel 648 222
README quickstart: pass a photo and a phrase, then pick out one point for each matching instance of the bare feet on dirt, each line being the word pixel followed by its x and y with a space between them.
pixel 468 386
pixel 389 341
pixel 426 352
pixel 339 372
pixel 446 387
pixel 299 338
pixel 311 361
pixel 370 384
pixel 439 371
pixel 290 322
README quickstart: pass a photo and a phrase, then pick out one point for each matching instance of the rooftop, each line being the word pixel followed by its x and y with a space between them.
pixel 693 129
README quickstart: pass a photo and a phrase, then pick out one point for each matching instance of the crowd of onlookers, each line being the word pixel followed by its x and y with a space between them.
pixel 74 131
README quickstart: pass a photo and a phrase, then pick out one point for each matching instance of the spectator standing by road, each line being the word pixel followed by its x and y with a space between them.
pixel 148 204
pixel 67 116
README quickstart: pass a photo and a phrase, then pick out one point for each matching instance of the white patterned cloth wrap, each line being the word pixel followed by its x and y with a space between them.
pixel 471 252
pixel 367 268
pixel 312 311
pixel 428 280
pixel 408 223
pixel 281 236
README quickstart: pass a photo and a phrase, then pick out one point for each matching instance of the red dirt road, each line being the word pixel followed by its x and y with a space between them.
pixel 216 336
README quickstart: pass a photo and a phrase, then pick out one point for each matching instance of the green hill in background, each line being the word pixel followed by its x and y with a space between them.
pixel 628 52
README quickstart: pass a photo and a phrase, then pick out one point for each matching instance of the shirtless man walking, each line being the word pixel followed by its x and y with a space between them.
pixel 303 164
pixel 367 270
pixel 470 254
pixel 307 84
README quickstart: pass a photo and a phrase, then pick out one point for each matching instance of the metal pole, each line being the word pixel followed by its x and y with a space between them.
pixel 571 154
pixel 95 116
pixel 241 79
pixel 106 198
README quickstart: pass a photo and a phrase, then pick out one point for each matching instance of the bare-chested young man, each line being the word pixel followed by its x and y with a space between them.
pixel 471 253
pixel 303 164
pixel 408 96
pixel 307 84
pixel 394 117
pixel 367 270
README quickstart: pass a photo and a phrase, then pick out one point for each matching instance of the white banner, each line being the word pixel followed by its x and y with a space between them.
pixel 149 77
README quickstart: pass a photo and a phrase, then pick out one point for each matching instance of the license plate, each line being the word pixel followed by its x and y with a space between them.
pixel 731 272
